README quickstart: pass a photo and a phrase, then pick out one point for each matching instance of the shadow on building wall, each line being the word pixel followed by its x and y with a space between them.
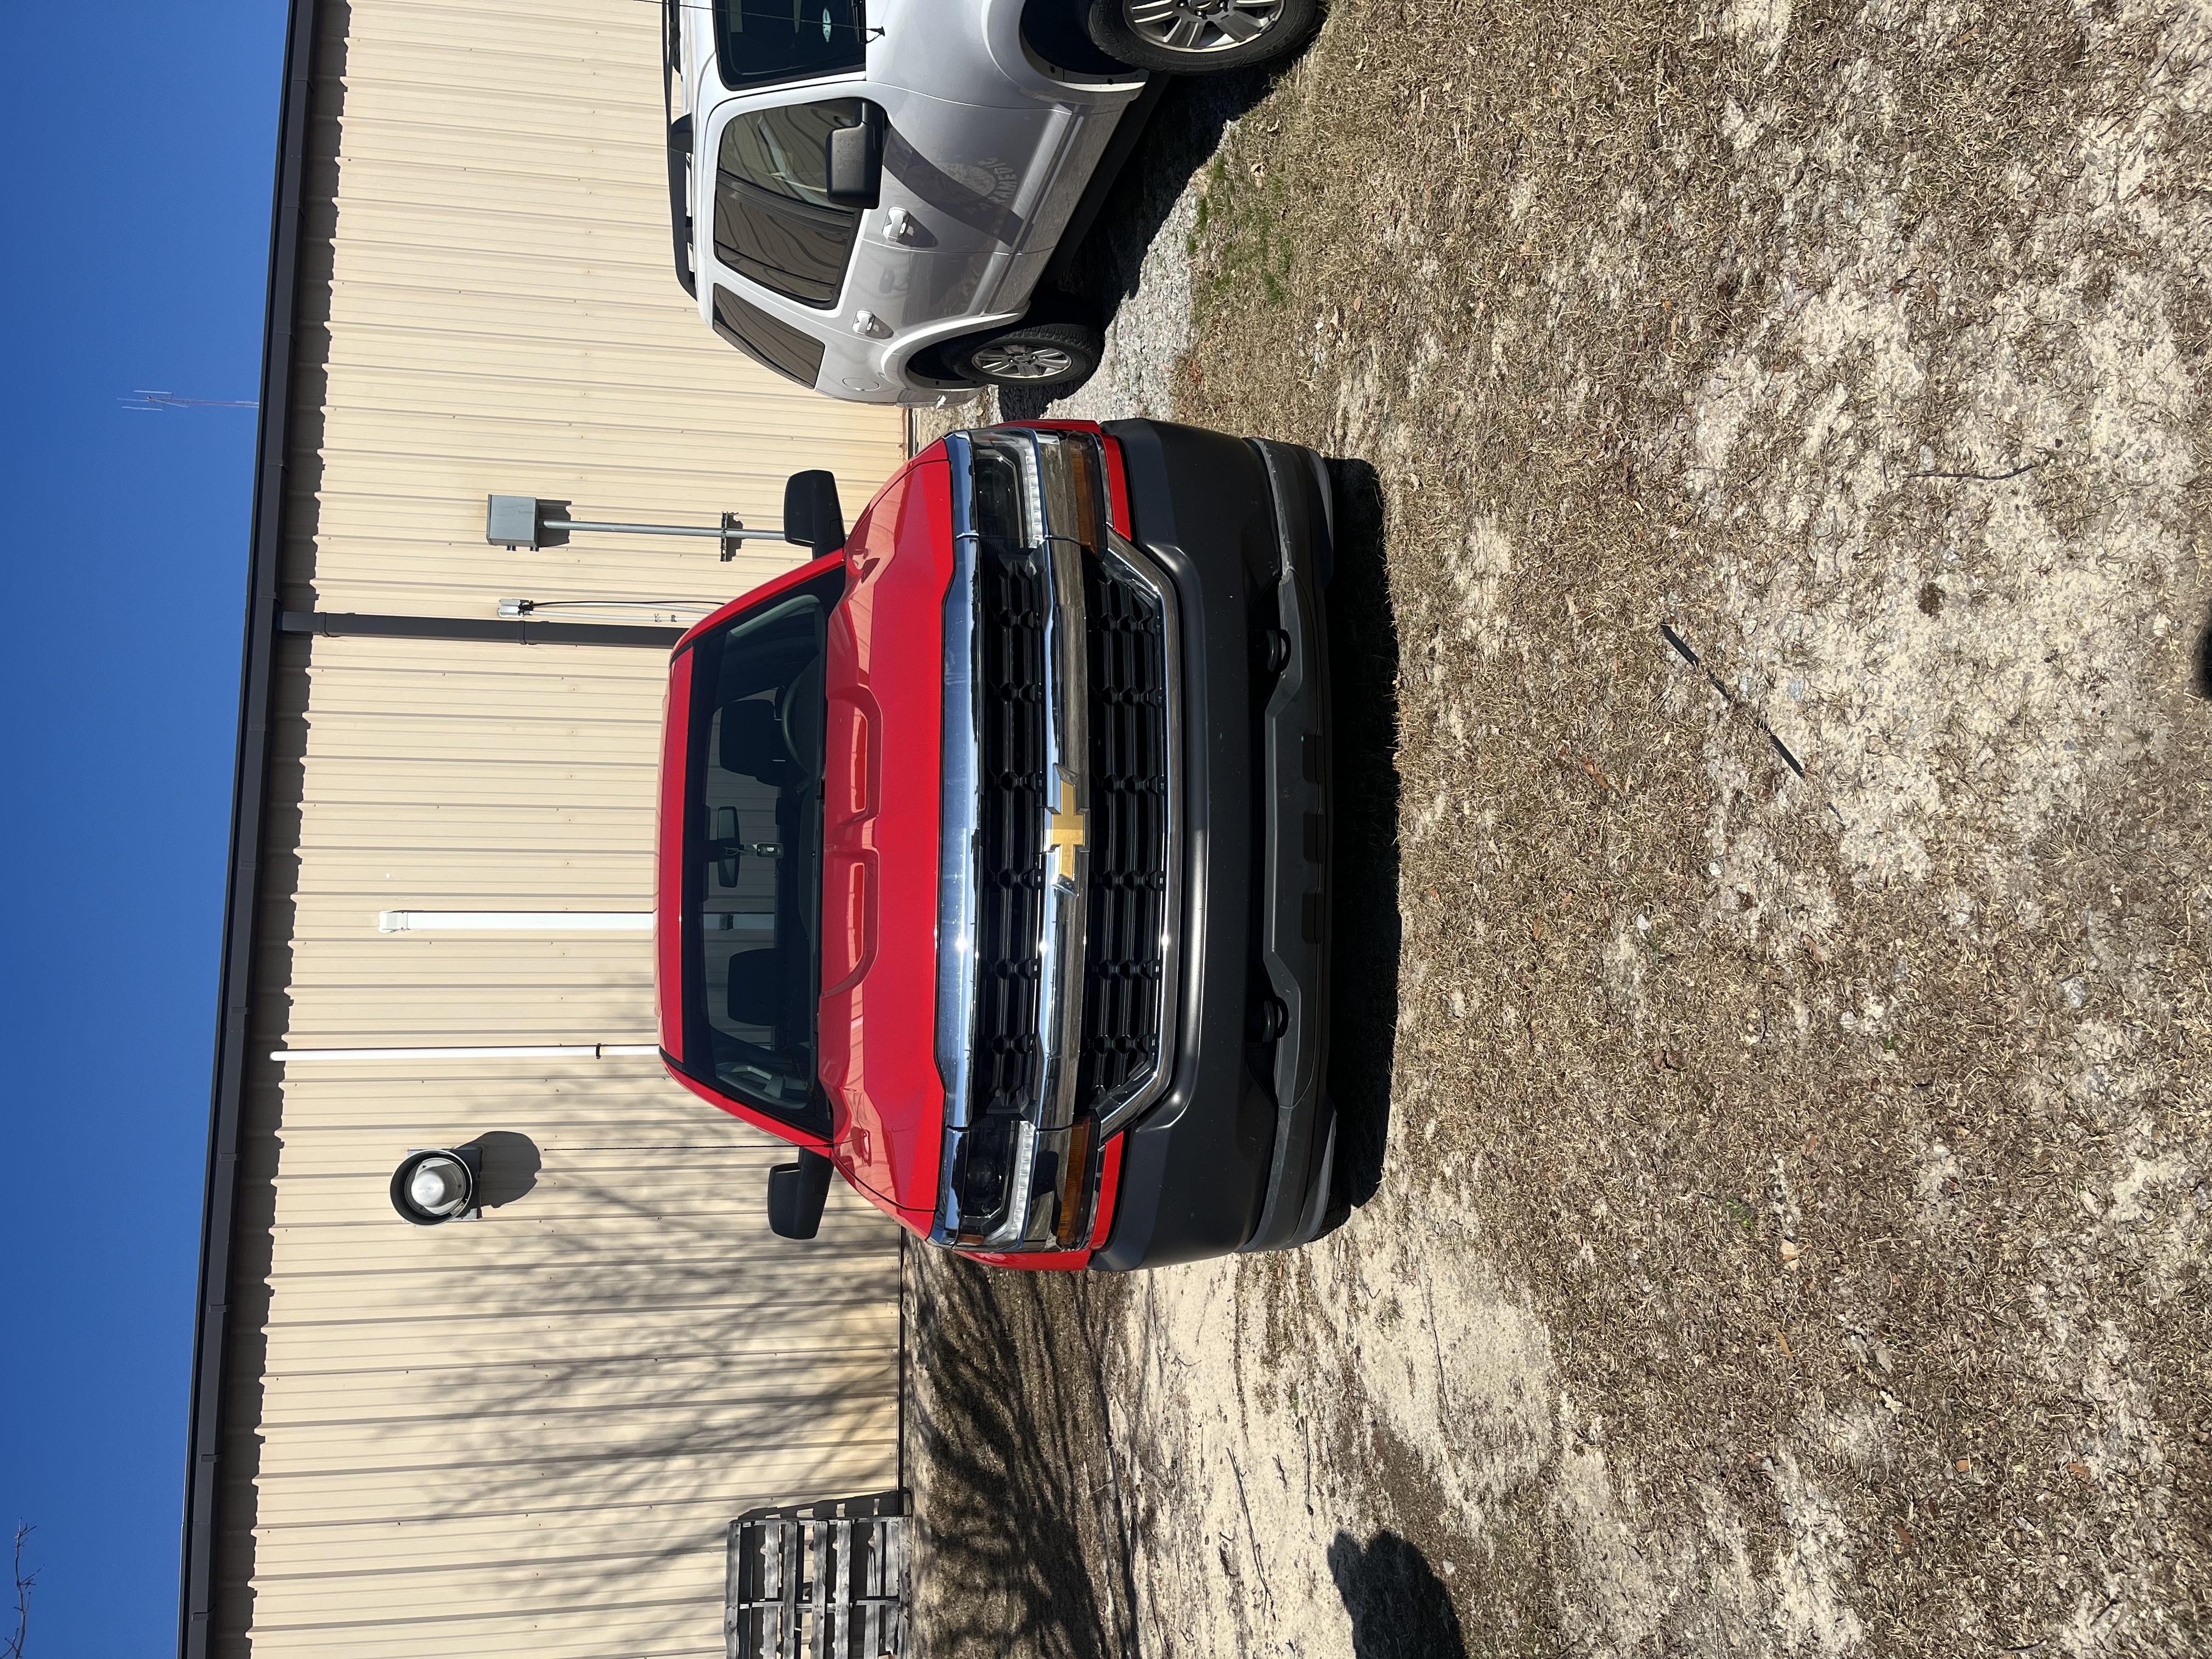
pixel 511 1164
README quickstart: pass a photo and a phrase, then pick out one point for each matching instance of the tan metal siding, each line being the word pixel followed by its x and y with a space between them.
pixel 524 1435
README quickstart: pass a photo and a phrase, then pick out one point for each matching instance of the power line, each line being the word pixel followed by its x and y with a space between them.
pixel 143 402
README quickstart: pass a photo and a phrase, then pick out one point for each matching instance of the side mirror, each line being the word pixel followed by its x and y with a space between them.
pixel 812 516
pixel 796 1193
pixel 679 198
pixel 853 157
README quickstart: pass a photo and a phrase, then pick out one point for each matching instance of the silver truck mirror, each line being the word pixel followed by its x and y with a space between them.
pixel 853 160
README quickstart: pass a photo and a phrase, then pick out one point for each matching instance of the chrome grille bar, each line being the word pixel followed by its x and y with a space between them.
pixel 1021 1135
pixel 1126 1103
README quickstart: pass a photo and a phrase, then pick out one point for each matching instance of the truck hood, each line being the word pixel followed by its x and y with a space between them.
pixel 881 815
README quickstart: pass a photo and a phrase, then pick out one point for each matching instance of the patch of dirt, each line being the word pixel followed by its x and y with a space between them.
pixel 1792 1233
pixel 1018 1545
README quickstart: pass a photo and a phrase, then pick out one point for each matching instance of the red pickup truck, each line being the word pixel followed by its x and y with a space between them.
pixel 995 849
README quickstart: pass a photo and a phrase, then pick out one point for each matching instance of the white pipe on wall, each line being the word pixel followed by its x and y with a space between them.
pixel 524 1051
pixel 515 922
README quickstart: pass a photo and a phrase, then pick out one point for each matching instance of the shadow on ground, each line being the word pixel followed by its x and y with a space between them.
pixel 1400 1607
pixel 1100 273
pixel 1021 1548
pixel 1364 706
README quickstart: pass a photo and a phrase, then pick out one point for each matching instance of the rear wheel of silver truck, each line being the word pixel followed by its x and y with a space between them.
pixel 1035 356
pixel 1202 37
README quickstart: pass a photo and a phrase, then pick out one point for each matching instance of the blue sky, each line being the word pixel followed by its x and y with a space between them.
pixel 140 140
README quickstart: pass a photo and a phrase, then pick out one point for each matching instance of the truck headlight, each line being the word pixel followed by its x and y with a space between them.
pixel 1010 1186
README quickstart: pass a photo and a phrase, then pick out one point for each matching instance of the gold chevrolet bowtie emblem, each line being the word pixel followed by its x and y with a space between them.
pixel 1063 833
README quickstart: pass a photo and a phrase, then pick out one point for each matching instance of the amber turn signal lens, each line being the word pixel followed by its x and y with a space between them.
pixel 1075 1181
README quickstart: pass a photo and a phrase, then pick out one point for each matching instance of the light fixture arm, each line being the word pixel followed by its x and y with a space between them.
pixel 531 521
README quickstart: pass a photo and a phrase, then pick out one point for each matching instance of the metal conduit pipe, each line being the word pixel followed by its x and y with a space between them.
pixel 511 1051
pixel 515 922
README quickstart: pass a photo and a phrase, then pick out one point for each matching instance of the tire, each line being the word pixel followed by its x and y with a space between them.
pixel 1188 37
pixel 1051 357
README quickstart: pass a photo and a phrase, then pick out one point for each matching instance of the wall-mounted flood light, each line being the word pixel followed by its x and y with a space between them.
pixel 438 1185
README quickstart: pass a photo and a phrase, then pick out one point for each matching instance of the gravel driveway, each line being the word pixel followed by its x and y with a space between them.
pixel 1771 664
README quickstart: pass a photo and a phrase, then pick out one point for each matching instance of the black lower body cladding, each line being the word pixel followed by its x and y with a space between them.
pixel 1237 1154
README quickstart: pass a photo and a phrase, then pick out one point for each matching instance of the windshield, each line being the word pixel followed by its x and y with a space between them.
pixel 752 877
pixel 758 41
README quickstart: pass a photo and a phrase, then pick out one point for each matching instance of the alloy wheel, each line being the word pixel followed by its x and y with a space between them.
pixel 1202 26
pixel 1023 362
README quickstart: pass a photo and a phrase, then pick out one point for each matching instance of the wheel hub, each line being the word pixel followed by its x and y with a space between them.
pixel 1202 26
pixel 1023 362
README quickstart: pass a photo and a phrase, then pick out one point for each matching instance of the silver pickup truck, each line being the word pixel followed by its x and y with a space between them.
pixel 866 195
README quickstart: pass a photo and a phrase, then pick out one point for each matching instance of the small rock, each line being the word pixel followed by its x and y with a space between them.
pixel 2075 991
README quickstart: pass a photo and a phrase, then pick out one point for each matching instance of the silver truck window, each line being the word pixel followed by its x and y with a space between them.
pixel 760 41
pixel 774 221
pixel 766 340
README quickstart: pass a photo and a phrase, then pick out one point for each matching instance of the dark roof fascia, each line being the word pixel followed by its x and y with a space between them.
pixel 203 1429
pixel 511 630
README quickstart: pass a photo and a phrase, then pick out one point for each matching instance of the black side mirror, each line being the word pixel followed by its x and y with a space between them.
pixel 854 159
pixel 796 1193
pixel 679 197
pixel 812 516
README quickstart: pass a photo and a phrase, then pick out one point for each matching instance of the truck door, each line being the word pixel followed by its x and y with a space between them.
pixel 961 188
pixel 773 223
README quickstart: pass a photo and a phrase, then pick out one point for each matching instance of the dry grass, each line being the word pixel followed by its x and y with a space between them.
pixel 1847 1135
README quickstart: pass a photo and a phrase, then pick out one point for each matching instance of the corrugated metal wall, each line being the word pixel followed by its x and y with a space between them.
pixel 523 1434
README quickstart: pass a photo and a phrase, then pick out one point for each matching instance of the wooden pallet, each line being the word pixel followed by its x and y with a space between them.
pixel 819 1581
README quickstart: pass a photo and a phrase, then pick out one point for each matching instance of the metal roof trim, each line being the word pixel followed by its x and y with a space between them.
pixel 241 900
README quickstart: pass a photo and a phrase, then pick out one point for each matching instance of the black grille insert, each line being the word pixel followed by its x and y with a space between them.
pixel 1010 674
pixel 1127 833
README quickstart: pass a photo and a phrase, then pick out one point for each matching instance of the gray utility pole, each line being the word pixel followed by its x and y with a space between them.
pixel 513 521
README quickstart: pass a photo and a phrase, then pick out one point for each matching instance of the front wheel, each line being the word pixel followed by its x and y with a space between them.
pixel 1202 37
pixel 1036 356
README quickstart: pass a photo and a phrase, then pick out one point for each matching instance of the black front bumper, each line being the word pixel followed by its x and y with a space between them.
pixel 1237 1154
